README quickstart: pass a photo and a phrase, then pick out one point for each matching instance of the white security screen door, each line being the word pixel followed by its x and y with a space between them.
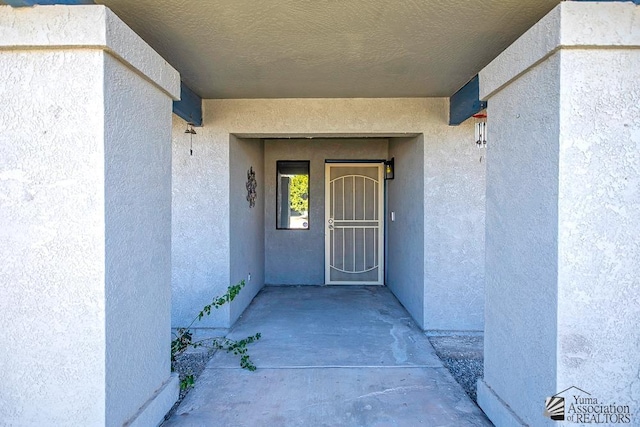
pixel 354 229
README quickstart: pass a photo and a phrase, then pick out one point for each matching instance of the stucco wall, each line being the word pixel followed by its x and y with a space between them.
pixel 562 183
pixel 296 257
pixel 454 204
pixel 454 212
pixel 599 202
pixel 405 236
pixel 137 123
pixel 521 245
pixel 247 248
pixel 84 219
pixel 200 253
pixel 52 238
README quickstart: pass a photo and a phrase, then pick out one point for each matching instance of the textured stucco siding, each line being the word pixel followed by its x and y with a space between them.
pixel 574 25
pixel 454 212
pixel 52 238
pixel 599 245
pixel 405 236
pixel 200 252
pixel 137 122
pixel 521 240
pixel 454 202
pixel 296 257
pixel 85 27
pixel 246 224
pixel 85 218
pixel 564 109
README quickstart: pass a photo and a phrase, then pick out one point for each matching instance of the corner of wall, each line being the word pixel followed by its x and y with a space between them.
pixel 200 223
pixel 405 256
pixel 247 221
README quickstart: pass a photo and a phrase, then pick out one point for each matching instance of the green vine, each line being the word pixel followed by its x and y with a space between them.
pixel 239 348
pixel 183 337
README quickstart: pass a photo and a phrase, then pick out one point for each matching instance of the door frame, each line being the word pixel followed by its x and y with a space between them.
pixel 381 219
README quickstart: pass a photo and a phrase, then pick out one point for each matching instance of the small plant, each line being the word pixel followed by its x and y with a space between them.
pixel 183 337
pixel 187 382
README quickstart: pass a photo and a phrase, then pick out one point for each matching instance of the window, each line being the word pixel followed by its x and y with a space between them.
pixel 292 204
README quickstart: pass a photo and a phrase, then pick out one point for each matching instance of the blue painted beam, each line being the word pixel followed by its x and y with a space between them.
pixel 466 102
pixel 28 3
pixel 189 107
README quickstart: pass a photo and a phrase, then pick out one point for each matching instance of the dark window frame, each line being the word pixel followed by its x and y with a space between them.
pixel 292 164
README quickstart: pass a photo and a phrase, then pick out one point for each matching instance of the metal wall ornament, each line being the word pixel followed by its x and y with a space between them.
pixel 252 184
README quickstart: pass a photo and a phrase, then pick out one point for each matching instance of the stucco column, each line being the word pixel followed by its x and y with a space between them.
pixel 85 220
pixel 563 197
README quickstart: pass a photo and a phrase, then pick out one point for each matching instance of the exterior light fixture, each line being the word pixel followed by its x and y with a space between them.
pixel 389 168
pixel 191 131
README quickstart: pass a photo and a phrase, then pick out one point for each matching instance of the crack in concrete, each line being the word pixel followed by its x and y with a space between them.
pixel 391 390
pixel 399 348
pixel 372 394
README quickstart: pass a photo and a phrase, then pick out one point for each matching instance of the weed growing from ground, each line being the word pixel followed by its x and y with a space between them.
pixel 183 337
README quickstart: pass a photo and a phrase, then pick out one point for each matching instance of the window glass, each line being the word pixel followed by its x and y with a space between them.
pixel 292 204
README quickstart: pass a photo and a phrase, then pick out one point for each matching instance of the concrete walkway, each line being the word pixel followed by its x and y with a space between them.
pixel 329 356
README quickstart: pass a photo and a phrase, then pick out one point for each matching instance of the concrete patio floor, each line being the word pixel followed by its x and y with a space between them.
pixel 329 356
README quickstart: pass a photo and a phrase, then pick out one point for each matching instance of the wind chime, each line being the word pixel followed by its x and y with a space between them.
pixel 191 131
pixel 481 129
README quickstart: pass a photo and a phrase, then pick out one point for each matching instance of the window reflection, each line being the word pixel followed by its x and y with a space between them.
pixel 292 205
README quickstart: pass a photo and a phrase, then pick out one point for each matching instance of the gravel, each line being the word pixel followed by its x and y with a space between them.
pixel 463 356
pixel 190 363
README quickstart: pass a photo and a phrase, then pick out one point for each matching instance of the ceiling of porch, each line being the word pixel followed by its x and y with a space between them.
pixel 328 48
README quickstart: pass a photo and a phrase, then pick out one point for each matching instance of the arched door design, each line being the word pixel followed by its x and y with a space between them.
pixel 354 229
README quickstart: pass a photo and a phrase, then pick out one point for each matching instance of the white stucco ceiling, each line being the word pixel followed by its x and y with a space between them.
pixel 328 48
